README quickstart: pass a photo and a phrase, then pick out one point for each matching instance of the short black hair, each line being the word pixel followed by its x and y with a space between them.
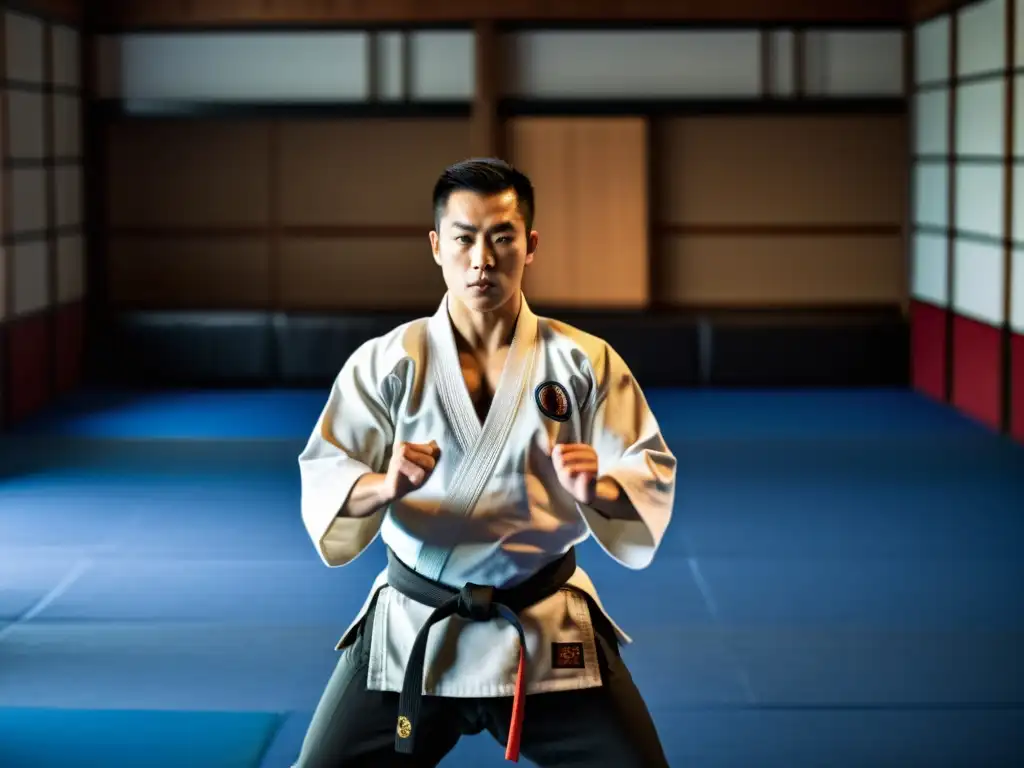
pixel 484 176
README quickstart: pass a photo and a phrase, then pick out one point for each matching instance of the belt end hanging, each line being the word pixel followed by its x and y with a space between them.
pixel 515 729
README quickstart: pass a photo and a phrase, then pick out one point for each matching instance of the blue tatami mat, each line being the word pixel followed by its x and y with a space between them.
pixel 842 585
pixel 58 738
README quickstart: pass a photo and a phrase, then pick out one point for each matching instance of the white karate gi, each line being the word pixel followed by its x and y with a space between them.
pixel 493 512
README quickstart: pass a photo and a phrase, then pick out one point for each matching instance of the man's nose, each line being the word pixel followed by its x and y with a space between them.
pixel 481 257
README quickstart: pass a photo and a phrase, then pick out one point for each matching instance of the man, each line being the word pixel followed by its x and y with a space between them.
pixel 483 444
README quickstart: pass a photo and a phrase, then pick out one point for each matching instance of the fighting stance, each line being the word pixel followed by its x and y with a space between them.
pixel 483 444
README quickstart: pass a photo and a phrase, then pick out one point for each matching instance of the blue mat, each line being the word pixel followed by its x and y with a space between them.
pixel 843 572
pixel 54 738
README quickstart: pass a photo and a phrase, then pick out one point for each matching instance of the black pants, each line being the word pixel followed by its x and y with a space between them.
pixel 607 726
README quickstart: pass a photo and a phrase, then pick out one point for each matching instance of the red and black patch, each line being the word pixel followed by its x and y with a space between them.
pixel 553 401
pixel 567 656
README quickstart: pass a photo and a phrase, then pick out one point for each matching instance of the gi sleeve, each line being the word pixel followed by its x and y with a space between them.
pixel 352 438
pixel 632 452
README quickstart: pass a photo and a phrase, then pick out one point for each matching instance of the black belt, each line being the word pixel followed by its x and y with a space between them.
pixel 476 603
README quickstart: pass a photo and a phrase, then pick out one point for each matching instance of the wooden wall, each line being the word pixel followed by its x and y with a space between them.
pixel 769 169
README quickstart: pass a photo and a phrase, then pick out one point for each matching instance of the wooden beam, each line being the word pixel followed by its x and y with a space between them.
pixel 486 125
pixel 1009 148
pixel 69 12
pixel 951 137
pixel 134 14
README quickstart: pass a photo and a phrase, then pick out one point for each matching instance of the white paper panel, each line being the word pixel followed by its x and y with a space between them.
pixel 31 277
pixel 28 192
pixel 25 48
pixel 1018 204
pixel 862 63
pixel 66 56
pixel 979 199
pixel 980 118
pixel 931 191
pixel 929 271
pixel 1019 32
pixel 26 116
pixel 442 66
pixel 70 269
pixel 390 66
pixel 978 281
pixel 981 37
pixel 1018 112
pixel 633 64
pixel 931 51
pixel 783 43
pixel 931 122
pixel 69 195
pixel 240 66
pixel 67 126
pixel 1017 291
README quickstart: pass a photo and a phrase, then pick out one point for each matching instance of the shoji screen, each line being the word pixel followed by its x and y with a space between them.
pixel 969 213
pixel 43 212
pixel 931 196
pixel 980 189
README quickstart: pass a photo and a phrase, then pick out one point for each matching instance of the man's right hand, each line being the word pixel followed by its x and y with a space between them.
pixel 410 467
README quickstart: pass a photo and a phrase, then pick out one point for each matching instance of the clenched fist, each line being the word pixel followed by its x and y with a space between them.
pixel 576 468
pixel 410 466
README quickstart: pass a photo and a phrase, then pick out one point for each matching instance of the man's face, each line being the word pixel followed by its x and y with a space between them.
pixel 483 248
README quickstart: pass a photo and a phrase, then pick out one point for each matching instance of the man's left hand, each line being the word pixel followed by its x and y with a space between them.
pixel 576 468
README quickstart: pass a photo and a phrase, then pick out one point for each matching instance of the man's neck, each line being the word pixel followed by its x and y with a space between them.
pixel 485 332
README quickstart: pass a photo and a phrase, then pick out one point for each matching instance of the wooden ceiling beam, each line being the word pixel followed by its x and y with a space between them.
pixel 142 14
pixel 63 11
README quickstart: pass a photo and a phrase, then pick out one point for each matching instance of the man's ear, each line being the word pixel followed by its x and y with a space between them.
pixel 435 246
pixel 531 245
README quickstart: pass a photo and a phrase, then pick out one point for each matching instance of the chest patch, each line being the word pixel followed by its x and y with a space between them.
pixel 553 401
pixel 567 656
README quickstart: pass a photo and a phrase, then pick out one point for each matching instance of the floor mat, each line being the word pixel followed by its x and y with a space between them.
pixel 62 738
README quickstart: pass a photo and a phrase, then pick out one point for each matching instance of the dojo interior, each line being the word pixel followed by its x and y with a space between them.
pixel 798 222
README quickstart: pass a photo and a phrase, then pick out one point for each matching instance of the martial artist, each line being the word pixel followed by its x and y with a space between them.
pixel 483 444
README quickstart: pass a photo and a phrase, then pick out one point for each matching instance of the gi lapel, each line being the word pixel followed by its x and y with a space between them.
pixel 481 445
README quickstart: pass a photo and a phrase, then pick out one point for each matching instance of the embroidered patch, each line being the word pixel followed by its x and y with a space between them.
pixel 553 401
pixel 567 656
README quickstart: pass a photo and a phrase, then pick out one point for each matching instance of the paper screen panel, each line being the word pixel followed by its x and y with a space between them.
pixel 931 122
pixel 235 66
pixel 929 271
pixel 978 281
pixel 979 199
pixel 931 194
pixel 854 63
pixel 31 277
pixel 24 45
pixel 442 65
pixel 70 268
pixel 981 38
pixel 783 56
pixel 931 50
pixel 980 118
pixel 632 64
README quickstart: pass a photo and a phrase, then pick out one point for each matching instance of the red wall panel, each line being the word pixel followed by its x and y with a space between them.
pixel 928 348
pixel 1017 386
pixel 29 364
pixel 978 370
pixel 70 330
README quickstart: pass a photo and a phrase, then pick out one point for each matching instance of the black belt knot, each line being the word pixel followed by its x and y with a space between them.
pixel 476 603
